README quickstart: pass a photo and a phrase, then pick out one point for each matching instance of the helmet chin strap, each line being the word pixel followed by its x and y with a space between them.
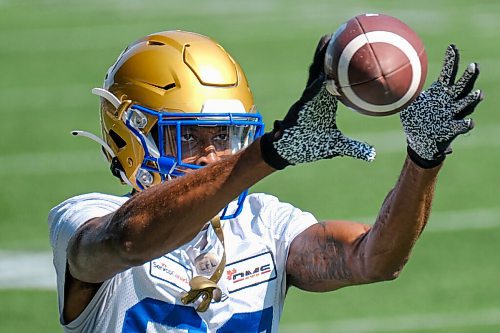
pixel 207 287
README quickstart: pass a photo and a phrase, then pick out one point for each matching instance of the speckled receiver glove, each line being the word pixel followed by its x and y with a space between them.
pixel 309 131
pixel 437 116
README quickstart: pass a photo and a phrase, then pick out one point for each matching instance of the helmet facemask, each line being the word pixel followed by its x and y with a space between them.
pixel 181 142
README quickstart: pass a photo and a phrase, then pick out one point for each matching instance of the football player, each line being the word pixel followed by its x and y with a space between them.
pixel 188 249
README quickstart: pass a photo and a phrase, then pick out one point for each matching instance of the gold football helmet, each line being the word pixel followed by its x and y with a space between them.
pixel 160 90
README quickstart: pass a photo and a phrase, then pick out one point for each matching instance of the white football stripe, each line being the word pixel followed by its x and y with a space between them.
pixel 378 37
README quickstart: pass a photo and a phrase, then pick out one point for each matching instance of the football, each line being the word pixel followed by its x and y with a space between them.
pixel 375 64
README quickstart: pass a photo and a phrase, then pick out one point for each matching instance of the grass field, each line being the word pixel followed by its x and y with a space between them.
pixel 53 52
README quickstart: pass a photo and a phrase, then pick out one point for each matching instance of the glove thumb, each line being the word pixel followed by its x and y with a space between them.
pixel 356 149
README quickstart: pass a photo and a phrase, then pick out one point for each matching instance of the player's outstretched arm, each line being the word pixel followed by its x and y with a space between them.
pixel 161 218
pixel 336 254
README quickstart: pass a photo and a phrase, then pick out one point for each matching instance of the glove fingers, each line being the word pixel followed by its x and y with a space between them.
pixel 457 127
pixel 462 126
pixel 356 149
pixel 465 84
pixel 312 90
pixel 466 105
pixel 308 99
pixel 450 66
pixel 317 66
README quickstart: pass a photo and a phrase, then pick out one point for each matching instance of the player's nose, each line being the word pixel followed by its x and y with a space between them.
pixel 208 156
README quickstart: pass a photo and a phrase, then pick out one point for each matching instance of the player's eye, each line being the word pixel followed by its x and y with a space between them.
pixel 221 137
pixel 188 137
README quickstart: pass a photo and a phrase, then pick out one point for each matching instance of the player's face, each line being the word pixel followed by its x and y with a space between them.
pixel 202 145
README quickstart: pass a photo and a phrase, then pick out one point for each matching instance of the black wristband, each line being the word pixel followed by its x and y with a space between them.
pixel 269 153
pixel 423 163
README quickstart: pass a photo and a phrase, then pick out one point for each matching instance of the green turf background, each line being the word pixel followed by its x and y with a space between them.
pixel 52 52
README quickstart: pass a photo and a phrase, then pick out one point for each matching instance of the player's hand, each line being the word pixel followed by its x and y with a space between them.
pixel 437 116
pixel 309 131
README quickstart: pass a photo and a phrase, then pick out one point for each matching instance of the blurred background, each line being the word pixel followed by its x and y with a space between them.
pixel 52 52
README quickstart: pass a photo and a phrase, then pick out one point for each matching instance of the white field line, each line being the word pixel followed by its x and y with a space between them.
pixel 473 219
pixel 68 162
pixel 241 11
pixel 22 269
pixel 27 270
pixel 464 220
pixel 402 323
pixel 393 141
pixel 47 163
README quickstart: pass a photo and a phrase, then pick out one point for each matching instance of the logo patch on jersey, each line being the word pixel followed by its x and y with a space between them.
pixel 250 272
pixel 170 271
pixel 206 263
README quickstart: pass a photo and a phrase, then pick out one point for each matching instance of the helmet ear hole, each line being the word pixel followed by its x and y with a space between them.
pixel 119 142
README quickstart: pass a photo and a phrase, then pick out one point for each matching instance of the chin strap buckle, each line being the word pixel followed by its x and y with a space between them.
pixel 203 287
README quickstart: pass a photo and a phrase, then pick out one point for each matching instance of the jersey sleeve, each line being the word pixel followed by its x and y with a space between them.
pixel 284 220
pixel 66 218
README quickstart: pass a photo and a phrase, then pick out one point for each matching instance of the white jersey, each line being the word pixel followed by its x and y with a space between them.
pixel 147 298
